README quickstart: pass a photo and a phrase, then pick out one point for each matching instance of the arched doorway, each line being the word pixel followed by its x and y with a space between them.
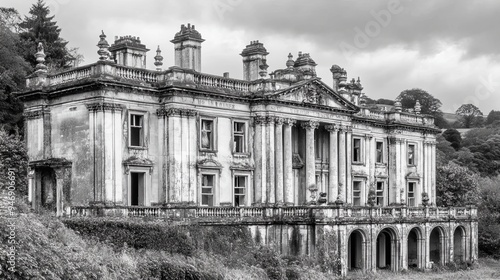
pixel 386 257
pixel 436 246
pixel 459 245
pixel 414 248
pixel 355 251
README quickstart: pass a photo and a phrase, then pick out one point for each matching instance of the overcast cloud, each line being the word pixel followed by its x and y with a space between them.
pixel 449 48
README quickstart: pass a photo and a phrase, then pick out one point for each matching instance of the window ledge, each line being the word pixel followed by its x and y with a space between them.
pixel 241 155
pixel 357 163
pixel 381 164
pixel 137 147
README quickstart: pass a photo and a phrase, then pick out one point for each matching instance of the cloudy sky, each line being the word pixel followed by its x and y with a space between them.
pixel 450 48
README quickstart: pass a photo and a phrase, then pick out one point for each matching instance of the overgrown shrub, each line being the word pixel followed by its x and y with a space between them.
pixel 136 234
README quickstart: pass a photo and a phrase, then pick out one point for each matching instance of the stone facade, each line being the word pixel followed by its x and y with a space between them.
pixel 282 152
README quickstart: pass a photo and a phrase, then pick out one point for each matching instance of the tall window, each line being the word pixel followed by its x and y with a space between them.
pixel 411 154
pixel 136 135
pixel 356 193
pixel 207 134
pixel 207 189
pixel 379 149
pixel 356 150
pixel 411 194
pixel 240 186
pixel 239 139
pixel 379 192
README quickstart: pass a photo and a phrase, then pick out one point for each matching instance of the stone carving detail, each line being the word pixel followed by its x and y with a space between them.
pixel 311 95
pixel 279 121
pixel 33 115
pixel 310 125
pixel 289 122
pixel 103 106
pixel 259 120
pixel 332 127
pixel 176 112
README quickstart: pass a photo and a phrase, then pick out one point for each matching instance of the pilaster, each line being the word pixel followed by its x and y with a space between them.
pixel 278 140
pixel 270 163
pixel 310 126
pixel 333 181
pixel 288 162
pixel 342 164
pixel 260 163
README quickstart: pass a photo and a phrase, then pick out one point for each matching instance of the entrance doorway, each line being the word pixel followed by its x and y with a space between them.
pixel 355 251
pixel 436 246
pixel 415 249
pixel 459 245
pixel 137 188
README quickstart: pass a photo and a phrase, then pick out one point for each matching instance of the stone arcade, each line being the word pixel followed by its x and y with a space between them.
pixel 296 160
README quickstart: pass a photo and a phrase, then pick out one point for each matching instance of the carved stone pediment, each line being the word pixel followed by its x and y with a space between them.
pixel 413 175
pixel 314 92
pixel 209 163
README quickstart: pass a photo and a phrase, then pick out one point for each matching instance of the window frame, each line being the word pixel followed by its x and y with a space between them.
pixel 213 139
pixel 414 192
pixel 215 175
pixel 384 193
pixel 144 128
pixel 361 150
pixel 245 189
pixel 245 133
pixel 382 151
pixel 415 148
pixel 361 185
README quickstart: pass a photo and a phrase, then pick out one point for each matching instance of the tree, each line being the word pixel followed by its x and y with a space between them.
pixel 493 117
pixel 444 151
pixel 453 136
pixel 385 101
pixel 489 217
pixel 13 70
pixel 429 104
pixel 469 114
pixel 13 157
pixel 456 185
pixel 40 27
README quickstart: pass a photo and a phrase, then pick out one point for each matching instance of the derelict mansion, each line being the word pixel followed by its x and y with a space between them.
pixel 116 135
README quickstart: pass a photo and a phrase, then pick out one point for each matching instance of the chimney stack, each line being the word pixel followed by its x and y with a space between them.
pixel 128 51
pixel 187 45
pixel 254 61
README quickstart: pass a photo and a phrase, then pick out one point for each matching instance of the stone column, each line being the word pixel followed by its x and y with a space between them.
pixel 333 178
pixel 310 126
pixel 369 163
pixel 270 191
pixel 174 155
pixel 288 162
pixel 278 140
pixel 192 155
pixel 342 164
pixel 349 163
pixel 59 172
pixel 401 158
pixel 433 171
pixel 259 175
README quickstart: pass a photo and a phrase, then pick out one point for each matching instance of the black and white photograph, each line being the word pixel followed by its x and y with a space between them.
pixel 262 139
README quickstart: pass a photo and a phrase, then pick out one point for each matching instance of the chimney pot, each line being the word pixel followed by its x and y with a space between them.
pixel 226 74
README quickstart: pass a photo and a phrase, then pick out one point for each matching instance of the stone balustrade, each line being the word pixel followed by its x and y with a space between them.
pixel 318 213
pixel 399 117
pixel 111 71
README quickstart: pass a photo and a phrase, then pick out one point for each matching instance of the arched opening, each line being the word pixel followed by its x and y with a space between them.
pixel 355 251
pixel 459 245
pixel 414 249
pixel 436 244
pixel 386 250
